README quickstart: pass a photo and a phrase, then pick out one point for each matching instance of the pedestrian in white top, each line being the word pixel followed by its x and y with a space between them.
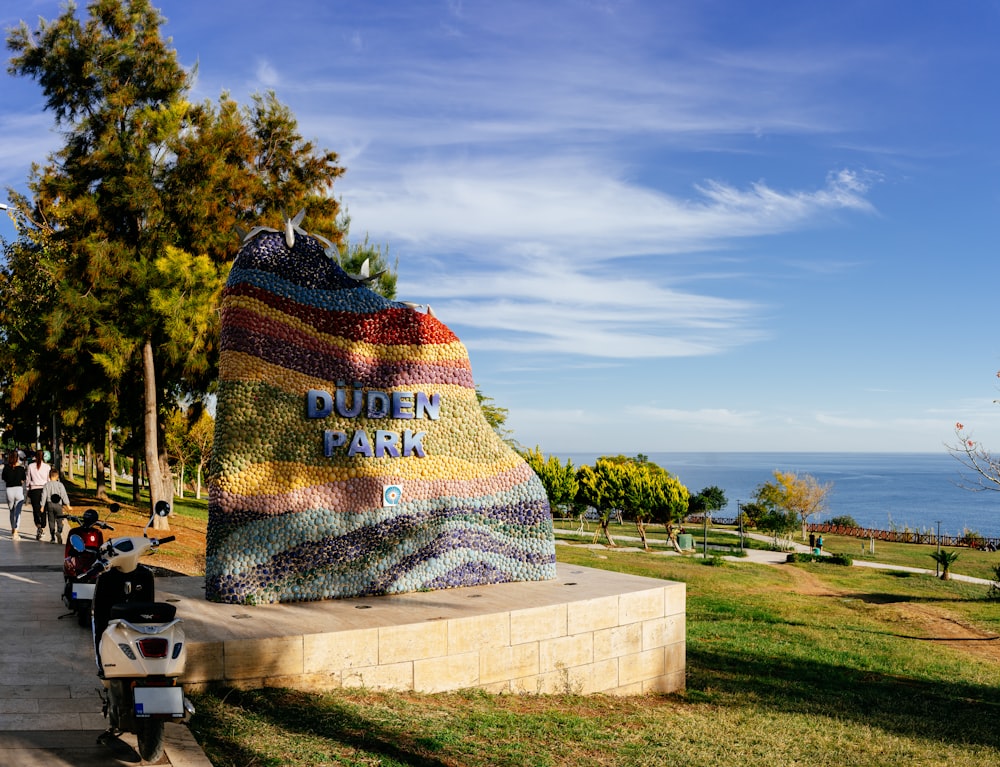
pixel 38 475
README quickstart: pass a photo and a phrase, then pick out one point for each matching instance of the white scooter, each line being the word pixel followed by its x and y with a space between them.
pixel 138 642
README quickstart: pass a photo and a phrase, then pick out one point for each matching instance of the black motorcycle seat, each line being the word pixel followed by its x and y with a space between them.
pixel 144 612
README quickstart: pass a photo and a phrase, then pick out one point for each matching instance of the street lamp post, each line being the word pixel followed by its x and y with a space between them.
pixel 739 518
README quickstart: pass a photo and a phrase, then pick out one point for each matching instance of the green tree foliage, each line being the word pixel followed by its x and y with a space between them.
pixel 202 437
pixel 558 479
pixel 768 512
pixel 708 500
pixel 354 255
pixel 844 520
pixel 115 90
pixel 179 447
pixel 599 487
pixel 752 512
pixel 131 226
pixel 642 490
pixel 496 417
pixel 800 496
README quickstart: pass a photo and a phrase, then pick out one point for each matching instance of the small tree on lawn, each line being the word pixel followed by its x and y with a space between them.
pixel 600 486
pixel 944 558
pixel 202 436
pixel 801 496
pixel 773 517
pixel 709 500
pixel 558 479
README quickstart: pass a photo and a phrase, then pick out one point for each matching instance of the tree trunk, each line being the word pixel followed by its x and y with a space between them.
pixel 150 429
pixel 86 465
pixel 57 453
pixel 111 458
pixel 607 533
pixel 604 522
pixel 136 476
pixel 99 483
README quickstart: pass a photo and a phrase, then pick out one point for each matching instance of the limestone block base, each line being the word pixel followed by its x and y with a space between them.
pixel 587 631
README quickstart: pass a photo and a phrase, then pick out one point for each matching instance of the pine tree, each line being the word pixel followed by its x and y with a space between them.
pixel 139 208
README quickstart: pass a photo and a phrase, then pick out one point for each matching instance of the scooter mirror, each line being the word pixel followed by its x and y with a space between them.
pixel 76 543
pixel 162 509
pixel 114 508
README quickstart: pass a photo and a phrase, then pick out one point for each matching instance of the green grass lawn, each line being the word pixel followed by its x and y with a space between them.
pixel 840 673
pixel 979 564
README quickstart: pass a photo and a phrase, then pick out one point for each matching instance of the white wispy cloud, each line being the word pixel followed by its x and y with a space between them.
pixel 493 152
pixel 707 417
pixel 573 206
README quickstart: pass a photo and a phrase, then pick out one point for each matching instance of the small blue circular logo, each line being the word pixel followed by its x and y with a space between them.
pixel 391 495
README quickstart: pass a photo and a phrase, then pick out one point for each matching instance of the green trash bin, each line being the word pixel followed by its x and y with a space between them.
pixel 685 541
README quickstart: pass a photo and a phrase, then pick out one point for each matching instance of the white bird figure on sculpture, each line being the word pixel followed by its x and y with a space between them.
pixel 364 274
pixel 415 307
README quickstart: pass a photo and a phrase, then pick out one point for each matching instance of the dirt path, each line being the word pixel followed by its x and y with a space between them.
pixel 920 622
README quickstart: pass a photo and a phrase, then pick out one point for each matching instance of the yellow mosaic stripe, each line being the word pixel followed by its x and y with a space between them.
pixel 276 477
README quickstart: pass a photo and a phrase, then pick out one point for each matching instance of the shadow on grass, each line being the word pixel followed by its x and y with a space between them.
pixel 949 712
pixel 890 599
pixel 297 714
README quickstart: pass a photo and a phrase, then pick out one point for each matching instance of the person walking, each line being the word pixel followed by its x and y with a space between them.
pixel 55 501
pixel 38 474
pixel 13 477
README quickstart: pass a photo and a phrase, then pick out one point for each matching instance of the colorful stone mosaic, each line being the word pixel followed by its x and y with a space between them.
pixel 351 455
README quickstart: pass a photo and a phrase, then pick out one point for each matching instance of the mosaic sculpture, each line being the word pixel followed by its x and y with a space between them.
pixel 351 455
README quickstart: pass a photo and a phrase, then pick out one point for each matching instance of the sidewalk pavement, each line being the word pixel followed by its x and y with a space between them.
pixel 50 712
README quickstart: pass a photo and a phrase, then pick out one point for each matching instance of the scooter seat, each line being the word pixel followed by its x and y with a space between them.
pixel 144 612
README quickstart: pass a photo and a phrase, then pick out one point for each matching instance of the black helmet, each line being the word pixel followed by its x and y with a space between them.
pixel 90 517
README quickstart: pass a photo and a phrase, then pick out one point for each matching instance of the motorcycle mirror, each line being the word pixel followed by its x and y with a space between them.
pixel 114 508
pixel 76 543
pixel 162 509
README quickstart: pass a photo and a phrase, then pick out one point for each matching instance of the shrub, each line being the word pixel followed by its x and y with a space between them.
pixel 844 520
pixel 832 559
pixel 972 538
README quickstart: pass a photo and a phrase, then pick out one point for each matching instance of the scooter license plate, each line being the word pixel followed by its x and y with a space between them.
pixel 83 591
pixel 152 701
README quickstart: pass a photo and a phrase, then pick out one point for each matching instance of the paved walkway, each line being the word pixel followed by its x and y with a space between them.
pixel 50 713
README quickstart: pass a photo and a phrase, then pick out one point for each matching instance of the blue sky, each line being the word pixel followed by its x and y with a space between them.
pixel 657 226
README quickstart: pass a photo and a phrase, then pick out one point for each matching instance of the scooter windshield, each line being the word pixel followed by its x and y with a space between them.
pixel 124 545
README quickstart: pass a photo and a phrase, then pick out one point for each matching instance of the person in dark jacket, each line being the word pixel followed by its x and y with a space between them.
pixel 13 477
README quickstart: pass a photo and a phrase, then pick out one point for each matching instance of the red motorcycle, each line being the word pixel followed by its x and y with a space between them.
pixel 78 591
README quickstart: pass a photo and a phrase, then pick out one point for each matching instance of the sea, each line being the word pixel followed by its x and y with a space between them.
pixel 887 491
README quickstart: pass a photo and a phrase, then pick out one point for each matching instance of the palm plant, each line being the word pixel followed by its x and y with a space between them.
pixel 944 558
